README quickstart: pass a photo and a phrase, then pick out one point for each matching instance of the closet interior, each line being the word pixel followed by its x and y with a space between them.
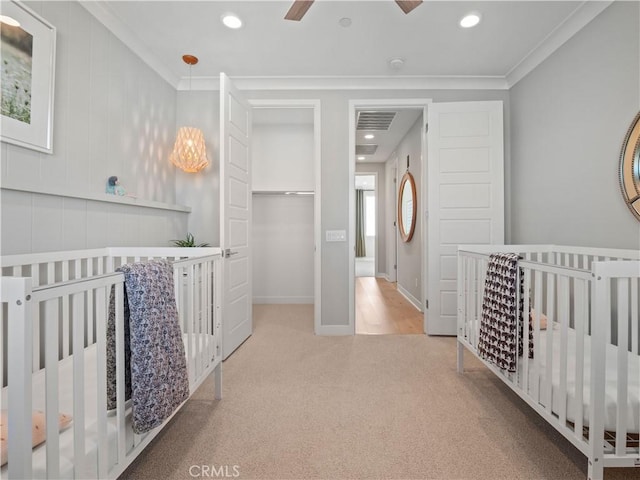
pixel 283 185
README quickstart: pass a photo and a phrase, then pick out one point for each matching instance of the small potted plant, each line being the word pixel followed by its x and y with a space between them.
pixel 189 241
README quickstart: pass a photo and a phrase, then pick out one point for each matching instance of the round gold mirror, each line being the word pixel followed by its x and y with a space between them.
pixel 407 207
pixel 630 167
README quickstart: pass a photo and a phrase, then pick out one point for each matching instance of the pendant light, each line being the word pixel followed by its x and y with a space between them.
pixel 189 152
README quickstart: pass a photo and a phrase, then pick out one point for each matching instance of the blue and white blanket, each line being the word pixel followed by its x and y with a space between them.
pixel 154 350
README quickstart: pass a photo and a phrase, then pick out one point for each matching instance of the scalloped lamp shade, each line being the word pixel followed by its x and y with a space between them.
pixel 189 152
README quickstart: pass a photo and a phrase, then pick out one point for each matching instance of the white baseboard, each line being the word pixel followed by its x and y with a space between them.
pixel 334 330
pixel 282 300
pixel 413 300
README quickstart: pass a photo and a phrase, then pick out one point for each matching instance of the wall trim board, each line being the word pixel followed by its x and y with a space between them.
pixel 413 300
pixel 104 197
pixel 395 82
pixel 283 300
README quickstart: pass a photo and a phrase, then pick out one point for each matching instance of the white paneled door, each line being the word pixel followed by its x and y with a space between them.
pixel 235 215
pixel 465 196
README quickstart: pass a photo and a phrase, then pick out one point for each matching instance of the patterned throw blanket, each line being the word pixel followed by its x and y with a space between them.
pixel 155 364
pixel 500 340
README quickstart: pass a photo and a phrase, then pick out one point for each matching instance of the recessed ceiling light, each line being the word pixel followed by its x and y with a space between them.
pixel 470 20
pixel 231 20
pixel 360 158
pixel 345 22
pixel 369 136
pixel 12 22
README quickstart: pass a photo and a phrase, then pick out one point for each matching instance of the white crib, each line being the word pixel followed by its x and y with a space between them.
pixel 584 377
pixel 53 354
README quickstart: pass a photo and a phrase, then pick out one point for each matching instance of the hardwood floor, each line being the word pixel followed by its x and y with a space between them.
pixel 381 309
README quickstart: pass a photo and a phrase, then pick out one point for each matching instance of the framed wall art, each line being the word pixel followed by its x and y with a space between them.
pixel 28 73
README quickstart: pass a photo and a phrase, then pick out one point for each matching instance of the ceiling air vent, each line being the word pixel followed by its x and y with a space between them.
pixel 375 120
pixel 366 149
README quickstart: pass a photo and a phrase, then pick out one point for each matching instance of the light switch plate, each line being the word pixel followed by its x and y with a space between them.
pixel 336 236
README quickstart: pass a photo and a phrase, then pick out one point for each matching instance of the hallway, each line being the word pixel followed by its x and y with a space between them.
pixel 381 309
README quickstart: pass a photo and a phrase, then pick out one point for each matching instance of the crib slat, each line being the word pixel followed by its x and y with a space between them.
pixel 525 326
pixel 189 311
pixel 120 373
pixel 101 369
pixel 51 388
pixel 537 300
pixel 199 339
pixel 579 319
pixel 35 279
pixel 78 384
pixel 601 308
pixel 465 296
pixel 19 345
pixel 212 306
pixel 622 365
pixel 550 334
pixel 64 320
pixel 51 273
pixel 470 304
pixel 2 352
pixel 90 313
pixel 482 265
pixel 563 317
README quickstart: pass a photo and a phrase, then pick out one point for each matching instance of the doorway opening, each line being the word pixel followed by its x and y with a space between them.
pixel 285 232
pixel 366 213
pixel 386 277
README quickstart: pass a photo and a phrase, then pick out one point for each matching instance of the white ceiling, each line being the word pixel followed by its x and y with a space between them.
pixel 513 37
pixel 428 39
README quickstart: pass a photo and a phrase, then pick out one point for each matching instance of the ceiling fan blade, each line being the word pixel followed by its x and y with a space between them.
pixel 298 9
pixel 408 5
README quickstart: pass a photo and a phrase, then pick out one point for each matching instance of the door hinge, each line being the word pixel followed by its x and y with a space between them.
pixel 426 304
pixel 426 127
pixel 395 267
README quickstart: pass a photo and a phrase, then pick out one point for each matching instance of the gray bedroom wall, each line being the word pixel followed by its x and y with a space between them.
pixel 113 115
pixel 381 221
pixel 334 175
pixel 409 255
pixel 200 190
pixel 569 117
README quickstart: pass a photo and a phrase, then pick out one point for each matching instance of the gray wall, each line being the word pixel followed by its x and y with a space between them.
pixel 568 120
pixel 410 253
pixel 334 175
pixel 113 115
pixel 201 190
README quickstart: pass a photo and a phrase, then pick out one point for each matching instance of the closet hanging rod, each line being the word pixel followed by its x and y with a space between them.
pixel 282 192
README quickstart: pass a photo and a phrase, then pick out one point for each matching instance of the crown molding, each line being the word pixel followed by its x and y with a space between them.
pixel 430 82
pixel 106 17
pixel 575 22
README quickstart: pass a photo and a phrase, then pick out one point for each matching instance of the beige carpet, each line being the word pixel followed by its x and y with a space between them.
pixel 298 406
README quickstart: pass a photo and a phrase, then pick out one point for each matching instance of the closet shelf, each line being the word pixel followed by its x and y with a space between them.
pixel 283 192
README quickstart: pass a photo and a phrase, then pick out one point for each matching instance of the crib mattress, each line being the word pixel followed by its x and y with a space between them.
pixel 65 391
pixel 611 391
